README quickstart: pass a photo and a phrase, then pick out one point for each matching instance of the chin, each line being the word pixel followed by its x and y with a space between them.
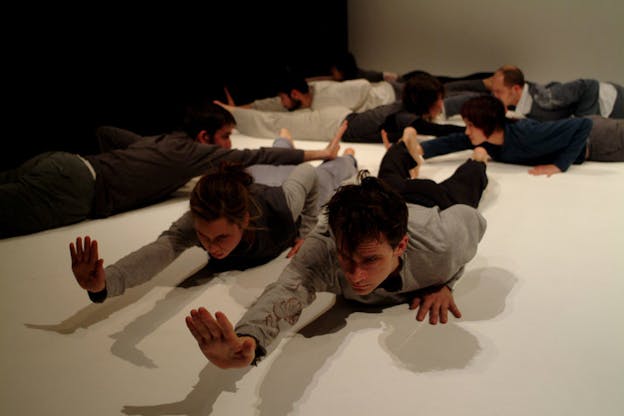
pixel 363 291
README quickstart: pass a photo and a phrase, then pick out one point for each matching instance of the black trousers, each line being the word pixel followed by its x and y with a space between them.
pixel 465 186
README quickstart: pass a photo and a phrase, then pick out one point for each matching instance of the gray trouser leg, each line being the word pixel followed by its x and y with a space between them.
pixel 454 103
pixel 606 140
pixel 301 190
pixel 332 174
pixel 273 175
pixel 618 106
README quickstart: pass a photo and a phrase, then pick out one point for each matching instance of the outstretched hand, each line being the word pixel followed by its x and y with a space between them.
pixel 437 304
pixel 87 266
pixel 218 341
pixel 222 104
pixel 228 96
pixel 334 145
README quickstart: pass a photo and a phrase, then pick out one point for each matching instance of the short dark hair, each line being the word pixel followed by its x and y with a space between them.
pixel 367 210
pixel 207 116
pixel 485 112
pixel 420 92
pixel 346 65
pixel 512 75
pixel 291 79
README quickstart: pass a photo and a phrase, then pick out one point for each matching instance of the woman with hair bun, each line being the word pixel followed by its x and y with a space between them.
pixel 240 224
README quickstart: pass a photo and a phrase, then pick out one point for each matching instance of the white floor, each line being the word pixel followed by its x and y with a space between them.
pixel 542 332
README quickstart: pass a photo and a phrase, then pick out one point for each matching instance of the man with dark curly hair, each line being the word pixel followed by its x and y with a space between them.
pixel 372 248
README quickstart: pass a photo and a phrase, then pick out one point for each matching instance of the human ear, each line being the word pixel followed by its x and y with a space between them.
pixel 402 246
pixel 203 137
pixel 245 222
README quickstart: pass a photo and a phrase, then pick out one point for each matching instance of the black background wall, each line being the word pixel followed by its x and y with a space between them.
pixel 139 69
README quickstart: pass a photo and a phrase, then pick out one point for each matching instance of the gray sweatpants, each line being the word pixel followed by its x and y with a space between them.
pixel 606 140
pixel 331 173
pixel 301 192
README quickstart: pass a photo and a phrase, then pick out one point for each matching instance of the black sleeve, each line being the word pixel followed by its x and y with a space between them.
pixel 98 297
pixel 434 129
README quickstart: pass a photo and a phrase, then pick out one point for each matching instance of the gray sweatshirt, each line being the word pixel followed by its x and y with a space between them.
pixel 275 231
pixel 440 244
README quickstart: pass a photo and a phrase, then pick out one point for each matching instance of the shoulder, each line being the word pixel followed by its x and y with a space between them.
pixel 435 227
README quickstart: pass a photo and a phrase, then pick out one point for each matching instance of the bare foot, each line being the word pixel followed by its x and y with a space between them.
pixel 480 154
pixel 349 151
pixel 414 172
pixel 334 144
pixel 409 133
pixel 341 130
pixel 410 138
pixel 284 133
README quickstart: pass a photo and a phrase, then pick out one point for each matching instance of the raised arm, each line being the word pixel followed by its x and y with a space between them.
pixel 87 266
pixel 218 341
pixel 447 144
pixel 279 306
pixel 134 269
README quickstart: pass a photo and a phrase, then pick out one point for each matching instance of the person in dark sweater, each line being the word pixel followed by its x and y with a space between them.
pixel 549 146
pixel 57 188
pixel 240 224
pixel 423 101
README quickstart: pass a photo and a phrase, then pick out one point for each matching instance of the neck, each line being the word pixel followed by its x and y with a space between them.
pixel 497 137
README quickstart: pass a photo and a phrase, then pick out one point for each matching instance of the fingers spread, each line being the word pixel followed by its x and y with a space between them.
pixel 455 310
pixel 227 329
pixel 93 252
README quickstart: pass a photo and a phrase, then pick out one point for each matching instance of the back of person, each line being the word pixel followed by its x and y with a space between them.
pixel 358 95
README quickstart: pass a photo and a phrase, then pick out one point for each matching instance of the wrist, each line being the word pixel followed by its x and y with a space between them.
pixel 259 350
pixel 99 296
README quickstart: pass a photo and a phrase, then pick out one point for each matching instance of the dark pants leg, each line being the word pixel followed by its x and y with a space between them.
pixel 618 106
pixel 465 186
pixel 51 190
pixel 606 140
pixel 459 87
pixel 453 103
pixel 365 127
pixel 467 183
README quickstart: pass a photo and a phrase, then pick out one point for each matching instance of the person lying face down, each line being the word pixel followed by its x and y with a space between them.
pixel 54 189
pixel 240 224
pixel 369 246
pixel 548 146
